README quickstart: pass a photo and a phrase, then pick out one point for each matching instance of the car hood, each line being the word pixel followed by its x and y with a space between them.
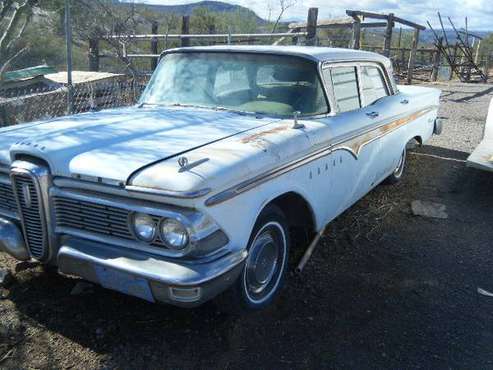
pixel 114 144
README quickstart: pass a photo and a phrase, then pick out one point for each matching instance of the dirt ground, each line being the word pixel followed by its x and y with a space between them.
pixel 384 289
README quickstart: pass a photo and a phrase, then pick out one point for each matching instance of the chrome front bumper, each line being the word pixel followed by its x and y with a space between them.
pixel 138 273
pixel 148 276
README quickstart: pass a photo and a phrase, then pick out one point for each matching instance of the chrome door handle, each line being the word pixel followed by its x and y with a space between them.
pixel 404 101
pixel 372 114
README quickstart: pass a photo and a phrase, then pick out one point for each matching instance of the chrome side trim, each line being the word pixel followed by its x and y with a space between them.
pixel 350 144
pixel 169 193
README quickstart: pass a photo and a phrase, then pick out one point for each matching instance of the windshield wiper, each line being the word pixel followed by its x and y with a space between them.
pixel 224 109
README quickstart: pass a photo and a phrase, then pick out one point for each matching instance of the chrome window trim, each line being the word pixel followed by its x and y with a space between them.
pixel 358 63
pixel 330 82
pixel 382 76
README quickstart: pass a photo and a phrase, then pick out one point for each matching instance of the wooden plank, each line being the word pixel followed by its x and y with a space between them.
pixel 154 45
pixel 324 23
pixel 311 26
pixel 94 55
pixel 412 56
pixel 366 14
pixel 436 64
pixel 409 23
pixel 388 35
pixel 185 30
pixel 356 36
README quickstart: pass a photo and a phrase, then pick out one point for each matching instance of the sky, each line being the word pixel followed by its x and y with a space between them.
pixel 479 12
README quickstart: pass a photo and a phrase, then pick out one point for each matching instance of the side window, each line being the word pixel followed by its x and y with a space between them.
pixel 345 85
pixel 373 84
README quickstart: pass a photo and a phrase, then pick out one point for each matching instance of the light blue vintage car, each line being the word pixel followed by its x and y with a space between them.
pixel 200 188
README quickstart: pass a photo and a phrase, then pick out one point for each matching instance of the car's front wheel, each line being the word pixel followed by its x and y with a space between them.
pixel 265 267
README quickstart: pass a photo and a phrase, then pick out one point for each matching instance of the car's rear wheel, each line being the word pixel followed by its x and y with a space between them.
pixel 396 176
pixel 265 267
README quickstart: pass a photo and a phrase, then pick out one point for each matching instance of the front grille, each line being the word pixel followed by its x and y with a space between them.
pixel 95 218
pixel 7 198
pixel 31 214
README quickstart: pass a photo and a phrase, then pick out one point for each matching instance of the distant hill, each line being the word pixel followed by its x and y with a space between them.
pixel 188 9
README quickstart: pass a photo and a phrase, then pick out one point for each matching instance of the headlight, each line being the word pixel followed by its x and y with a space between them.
pixel 144 227
pixel 174 234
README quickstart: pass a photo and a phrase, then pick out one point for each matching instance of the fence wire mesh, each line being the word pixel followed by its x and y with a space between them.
pixel 41 102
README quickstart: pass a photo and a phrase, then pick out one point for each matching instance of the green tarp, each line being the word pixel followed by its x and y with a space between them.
pixel 26 73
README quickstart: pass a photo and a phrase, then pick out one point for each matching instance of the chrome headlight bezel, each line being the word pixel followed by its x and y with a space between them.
pixel 179 228
pixel 134 227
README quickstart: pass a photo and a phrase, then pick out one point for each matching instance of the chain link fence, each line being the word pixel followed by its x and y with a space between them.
pixel 40 102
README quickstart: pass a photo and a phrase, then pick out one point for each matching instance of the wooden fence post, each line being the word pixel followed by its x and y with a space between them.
pixel 454 58
pixel 412 57
pixel 311 26
pixel 436 63
pixel 487 64
pixel 478 48
pixel 388 35
pixel 154 45
pixel 185 30
pixel 356 37
pixel 212 31
pixel 94 55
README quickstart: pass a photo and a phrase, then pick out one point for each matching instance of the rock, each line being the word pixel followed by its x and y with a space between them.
pixel 5 277
pixel 428 209
pixel 82 287
pixel 25 265
pixel 4 293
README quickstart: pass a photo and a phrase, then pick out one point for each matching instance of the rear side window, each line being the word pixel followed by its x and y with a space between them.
pixel 345 84
pixel 373 84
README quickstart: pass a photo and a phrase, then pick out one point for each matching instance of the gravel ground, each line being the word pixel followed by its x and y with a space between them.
pixel 384 289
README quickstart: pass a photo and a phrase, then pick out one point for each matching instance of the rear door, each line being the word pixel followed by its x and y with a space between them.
pixel 382 109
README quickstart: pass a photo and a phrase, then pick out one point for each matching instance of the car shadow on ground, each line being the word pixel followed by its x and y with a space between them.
pixel 384 289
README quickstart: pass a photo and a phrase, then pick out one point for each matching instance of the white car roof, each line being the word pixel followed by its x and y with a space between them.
pixel 315 53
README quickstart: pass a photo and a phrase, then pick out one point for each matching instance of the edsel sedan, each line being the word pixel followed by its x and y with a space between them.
pixel 232 156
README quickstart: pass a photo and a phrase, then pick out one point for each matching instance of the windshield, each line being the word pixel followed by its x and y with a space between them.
pixel 266 84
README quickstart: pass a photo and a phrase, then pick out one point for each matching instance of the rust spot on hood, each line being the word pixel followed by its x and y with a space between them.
pixel 259 135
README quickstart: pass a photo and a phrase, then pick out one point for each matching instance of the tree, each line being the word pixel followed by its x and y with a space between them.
pixel 14 18
pixel 283 5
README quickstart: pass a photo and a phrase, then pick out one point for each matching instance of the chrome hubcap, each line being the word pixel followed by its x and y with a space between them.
pixel 265 262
